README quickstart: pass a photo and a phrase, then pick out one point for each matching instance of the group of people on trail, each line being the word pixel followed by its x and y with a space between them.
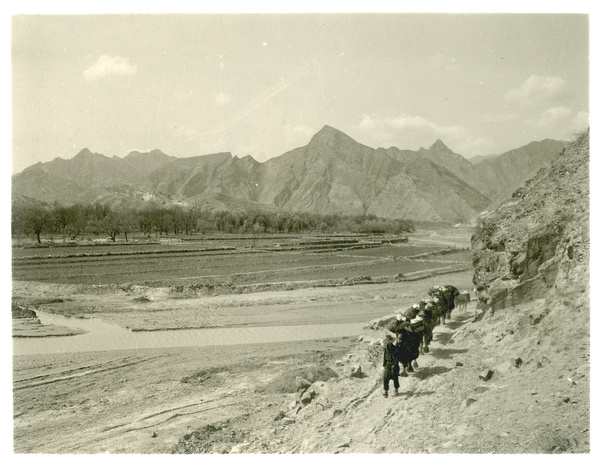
pixel 411 332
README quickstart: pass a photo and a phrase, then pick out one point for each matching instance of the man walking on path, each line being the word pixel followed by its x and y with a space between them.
pixel 391 368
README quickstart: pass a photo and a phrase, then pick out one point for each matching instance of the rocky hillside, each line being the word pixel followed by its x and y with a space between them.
pixel 536 245
pixel 331 174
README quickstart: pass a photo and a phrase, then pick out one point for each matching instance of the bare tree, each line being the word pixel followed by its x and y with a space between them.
pixel 110 224
pixel 36 219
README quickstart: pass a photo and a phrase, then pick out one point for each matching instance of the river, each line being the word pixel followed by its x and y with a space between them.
pixel 102 336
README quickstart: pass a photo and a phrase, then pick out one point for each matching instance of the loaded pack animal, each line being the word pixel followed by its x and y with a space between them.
pixel 440 309
pixel 408 342
pixel 450 294
pixel 409 332
pixel 462 300
pixel 430 320
pixel 416 333
pixel 443 297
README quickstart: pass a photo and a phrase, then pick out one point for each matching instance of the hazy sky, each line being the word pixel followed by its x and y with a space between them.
pixel 263 84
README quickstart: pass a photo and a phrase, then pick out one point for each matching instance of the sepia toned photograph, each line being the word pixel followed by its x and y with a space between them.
pixel 300 233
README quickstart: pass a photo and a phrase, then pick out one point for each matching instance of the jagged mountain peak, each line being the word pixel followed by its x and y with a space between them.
pixel 86 156
pixel 153 152
pixel 439 152
pixel 85 152
pixel 327 129
pixel 155 155
pixel 328 135
pixel 439 146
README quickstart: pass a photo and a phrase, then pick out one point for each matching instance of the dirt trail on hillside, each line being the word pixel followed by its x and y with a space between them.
pixel 450 409
pixel 529 405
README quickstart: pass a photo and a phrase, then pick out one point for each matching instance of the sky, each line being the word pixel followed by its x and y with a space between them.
pixel 263 84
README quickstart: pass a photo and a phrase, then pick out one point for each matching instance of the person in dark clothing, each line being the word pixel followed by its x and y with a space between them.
pixel 391 368
pixel 400 329
pixel 412 337
pixel 428 313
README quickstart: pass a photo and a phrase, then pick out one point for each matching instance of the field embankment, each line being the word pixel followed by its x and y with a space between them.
pixel 269 261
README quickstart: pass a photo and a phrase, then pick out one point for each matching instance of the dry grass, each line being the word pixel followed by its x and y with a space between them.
pixel 554 441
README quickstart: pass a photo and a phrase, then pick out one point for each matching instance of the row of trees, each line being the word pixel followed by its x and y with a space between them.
pixel 33 219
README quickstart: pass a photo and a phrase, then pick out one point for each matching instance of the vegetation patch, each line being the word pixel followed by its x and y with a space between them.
pixel 554 441
pixel 19 311
pixel 36 218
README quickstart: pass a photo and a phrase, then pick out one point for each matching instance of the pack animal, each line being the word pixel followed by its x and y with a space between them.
pixel 409 334
pixel 428 313
pixel 462 300
pixel 444 298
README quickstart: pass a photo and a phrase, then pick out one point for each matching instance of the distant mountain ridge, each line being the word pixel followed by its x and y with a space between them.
pixel 333 173
pixel 508 171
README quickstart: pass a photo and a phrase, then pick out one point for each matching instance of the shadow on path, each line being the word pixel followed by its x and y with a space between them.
pixel 426 372
pixel 457 321
pixel 454 324
pixel 447 353
pixel 443 337
pixel 414 394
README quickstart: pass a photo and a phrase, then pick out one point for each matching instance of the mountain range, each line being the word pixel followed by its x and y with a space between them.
pixel 331 174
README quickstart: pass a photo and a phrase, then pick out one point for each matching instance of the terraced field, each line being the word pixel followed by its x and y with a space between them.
pixel 224 261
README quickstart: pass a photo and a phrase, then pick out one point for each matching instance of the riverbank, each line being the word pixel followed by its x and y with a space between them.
pixel 145 309
pixel 33 328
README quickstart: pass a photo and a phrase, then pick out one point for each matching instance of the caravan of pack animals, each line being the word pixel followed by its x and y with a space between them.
pixel 412 332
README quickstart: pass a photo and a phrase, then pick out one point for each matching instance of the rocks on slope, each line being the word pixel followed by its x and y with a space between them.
pixel 504 173
pixel 536 245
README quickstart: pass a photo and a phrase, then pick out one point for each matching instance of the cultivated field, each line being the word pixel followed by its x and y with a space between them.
pixel 227 261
